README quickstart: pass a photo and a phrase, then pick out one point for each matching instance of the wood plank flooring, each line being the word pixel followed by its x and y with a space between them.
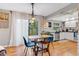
pixel 61 48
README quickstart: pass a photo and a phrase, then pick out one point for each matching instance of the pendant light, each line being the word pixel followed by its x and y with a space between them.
pixel 33 18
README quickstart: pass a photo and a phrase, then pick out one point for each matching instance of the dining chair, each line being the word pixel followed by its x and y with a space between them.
pixel 45 45
pixel 50 40
pixel 28 44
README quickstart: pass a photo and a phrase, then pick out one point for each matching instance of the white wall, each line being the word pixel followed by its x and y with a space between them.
pixel 4 36
pixel 5 32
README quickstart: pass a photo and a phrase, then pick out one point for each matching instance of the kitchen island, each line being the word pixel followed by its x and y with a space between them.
pixel 67 35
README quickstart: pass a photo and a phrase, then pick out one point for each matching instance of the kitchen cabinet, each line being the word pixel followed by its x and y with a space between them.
pixel 66 35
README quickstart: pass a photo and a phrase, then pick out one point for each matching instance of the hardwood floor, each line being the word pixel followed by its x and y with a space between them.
pixel 61 48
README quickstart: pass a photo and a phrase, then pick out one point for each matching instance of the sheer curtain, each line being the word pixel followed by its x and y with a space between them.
pixel 13 27
pixel 17 28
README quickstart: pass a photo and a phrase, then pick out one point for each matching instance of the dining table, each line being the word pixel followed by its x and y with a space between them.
pixel 38 39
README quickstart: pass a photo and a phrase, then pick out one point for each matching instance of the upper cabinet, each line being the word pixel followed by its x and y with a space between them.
pixel 56 26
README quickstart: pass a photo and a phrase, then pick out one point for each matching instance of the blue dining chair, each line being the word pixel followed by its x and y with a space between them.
pixel 50 40
pixel 28 44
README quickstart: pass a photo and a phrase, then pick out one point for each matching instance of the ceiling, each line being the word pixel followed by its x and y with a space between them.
pixel 43 9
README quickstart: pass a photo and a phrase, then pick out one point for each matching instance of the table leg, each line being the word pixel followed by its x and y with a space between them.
pixel 35 50
pixel 42 49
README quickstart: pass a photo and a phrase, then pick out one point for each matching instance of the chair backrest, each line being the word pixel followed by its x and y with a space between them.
pixel 50 39
pixel 25 42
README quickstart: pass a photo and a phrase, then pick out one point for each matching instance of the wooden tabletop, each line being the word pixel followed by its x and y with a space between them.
pixel 38 37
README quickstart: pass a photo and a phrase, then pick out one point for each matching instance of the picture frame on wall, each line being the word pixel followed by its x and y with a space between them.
pixel 49 24
pixel 4 19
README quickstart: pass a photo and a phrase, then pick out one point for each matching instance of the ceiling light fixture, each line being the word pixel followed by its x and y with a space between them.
pixel 33 18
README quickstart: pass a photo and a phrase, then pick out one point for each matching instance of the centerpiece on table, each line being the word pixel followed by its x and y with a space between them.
pixel 46 34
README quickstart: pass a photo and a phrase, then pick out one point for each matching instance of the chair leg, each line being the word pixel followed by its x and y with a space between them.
pixel 53 45
pixel 25 51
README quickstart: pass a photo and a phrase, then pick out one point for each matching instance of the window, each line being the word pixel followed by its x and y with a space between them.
pixel 33 27
pixel 56 26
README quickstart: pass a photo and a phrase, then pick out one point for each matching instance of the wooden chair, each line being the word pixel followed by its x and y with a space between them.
pixel 43 46
pixel 44 43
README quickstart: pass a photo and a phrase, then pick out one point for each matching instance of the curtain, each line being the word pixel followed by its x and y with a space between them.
pixel 17 27
pixel 13 28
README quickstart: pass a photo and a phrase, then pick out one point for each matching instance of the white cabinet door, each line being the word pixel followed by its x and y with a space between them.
pixel 66 35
